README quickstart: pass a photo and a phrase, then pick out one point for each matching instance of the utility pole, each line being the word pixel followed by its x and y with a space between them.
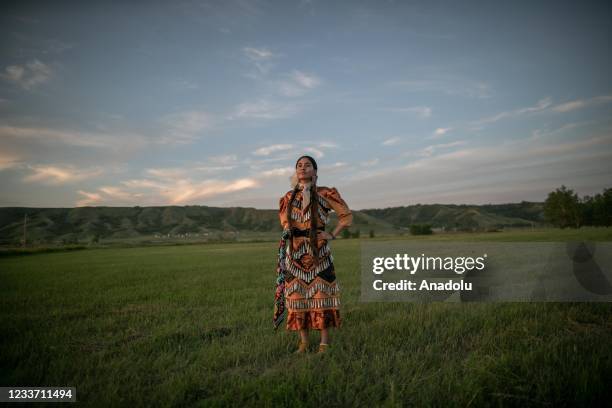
pixel 25 226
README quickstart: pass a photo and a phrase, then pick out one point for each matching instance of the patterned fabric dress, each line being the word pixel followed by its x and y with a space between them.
pixel 312 294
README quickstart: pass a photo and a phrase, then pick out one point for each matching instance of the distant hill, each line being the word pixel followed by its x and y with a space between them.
pixel 463 217
pixel 203 223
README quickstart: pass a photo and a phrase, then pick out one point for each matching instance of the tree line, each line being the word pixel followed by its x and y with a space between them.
pixel 563 208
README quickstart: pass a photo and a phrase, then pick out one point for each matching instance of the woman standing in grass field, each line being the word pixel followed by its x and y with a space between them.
pixel 306 267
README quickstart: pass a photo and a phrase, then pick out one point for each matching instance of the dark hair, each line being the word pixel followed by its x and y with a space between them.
pixel 314 210
pixel 314 163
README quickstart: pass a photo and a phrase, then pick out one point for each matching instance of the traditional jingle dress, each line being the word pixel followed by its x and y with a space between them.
pixel 311 291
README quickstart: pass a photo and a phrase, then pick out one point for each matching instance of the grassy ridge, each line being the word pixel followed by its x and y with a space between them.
pixel 93 225
pixel 191 325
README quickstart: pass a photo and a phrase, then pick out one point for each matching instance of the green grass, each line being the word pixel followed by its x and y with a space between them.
pixel 191 326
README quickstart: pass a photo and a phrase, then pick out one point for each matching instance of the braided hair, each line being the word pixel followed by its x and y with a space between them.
pixel 314 210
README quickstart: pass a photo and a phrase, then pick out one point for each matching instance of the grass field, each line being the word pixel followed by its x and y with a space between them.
pixel 191 326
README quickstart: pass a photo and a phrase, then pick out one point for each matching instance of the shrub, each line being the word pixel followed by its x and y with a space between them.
pixel 420 229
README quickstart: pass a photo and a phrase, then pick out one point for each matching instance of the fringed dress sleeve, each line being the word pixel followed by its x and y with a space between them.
pixel 332 196
pixel 282 212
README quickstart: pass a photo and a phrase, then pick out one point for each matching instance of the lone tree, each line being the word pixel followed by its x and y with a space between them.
pixel 562 208
pixel 597 209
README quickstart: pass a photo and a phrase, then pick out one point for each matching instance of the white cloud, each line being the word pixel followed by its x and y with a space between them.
pixel 28 76
pixel 264 109
pixel 261 58
pixel 430 150
pixel 542 105
pixel 509 172
pixel 213 169
pixel 108 140
pixel 267 150
pixel 190 192
pixel 581 103
pixel 55 175
pixel 315 152
pixel 441 131
pixel 8 160
pixel 173 188
pixel 116 193
pixel 391 142
pixel 327 145
pixel 143 184
pixel 166 173
pixel 298 84
pixel 278 172
pixel 90 199
pixel 215 164
pixel 305 80
pixel 258 54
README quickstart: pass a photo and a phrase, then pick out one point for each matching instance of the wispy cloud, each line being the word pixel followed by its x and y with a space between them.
pixel 543 105
pixel 298 83
pixel 8 160
pixel 315 152
pixel 422 111
pixel 337 165
pixel 264 109
pixel 28 76
pixel 258 54
pixel 447 84
pixel 89 199
pixel 277 172
pixel 539 107
pixel 327 145
pixel 167 186
pixel 166 173
pixel 544 132
pixel 439 132
pixel 108 140
pixel 186 191
pixel 261 58
pixel 267 150
pixel 510 172
pixel 430 150
pixel 185 127
pixel 582 103
pixel 215 164
pixel 308 81
pixel 392 141
pixel 119 195
pixel 62 174
pixel 183 84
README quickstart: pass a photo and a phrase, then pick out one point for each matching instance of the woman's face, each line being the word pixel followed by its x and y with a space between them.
pixel 304 170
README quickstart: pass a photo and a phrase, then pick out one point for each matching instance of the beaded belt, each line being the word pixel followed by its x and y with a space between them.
pixel 296 232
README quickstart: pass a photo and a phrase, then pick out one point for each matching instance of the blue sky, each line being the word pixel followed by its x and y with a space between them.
pixel 211 103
